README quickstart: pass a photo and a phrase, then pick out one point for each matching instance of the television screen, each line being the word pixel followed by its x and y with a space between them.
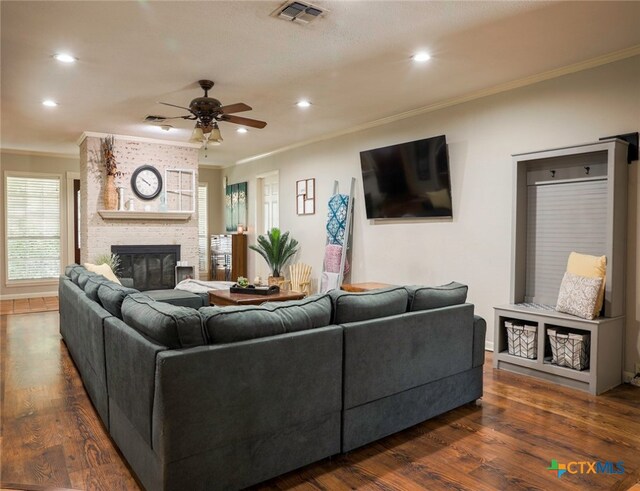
pixel 407 180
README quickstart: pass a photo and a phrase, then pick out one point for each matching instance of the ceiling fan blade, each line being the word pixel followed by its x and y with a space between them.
pixel 234 108
pixel 189 116
pixel 253 123
pixel 173 105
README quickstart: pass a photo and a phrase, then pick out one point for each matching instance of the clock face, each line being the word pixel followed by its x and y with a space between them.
pixel 146 182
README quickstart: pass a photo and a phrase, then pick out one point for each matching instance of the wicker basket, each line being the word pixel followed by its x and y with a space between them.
pixel 569 349
pixel 522 340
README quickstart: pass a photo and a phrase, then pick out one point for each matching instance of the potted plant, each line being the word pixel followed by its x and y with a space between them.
pixel 276 248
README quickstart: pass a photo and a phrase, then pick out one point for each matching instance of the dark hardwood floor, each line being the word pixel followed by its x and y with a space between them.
pixel 52 437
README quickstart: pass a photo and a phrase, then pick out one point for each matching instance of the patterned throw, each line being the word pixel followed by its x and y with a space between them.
pixel 332 257
pixel 578 295
pixel 337 218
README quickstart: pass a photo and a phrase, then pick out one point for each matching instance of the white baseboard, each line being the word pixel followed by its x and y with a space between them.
pixel 18 296
pixel 488 345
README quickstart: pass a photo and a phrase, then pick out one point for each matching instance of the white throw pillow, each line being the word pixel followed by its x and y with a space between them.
pixel 103 269
pixel 579 295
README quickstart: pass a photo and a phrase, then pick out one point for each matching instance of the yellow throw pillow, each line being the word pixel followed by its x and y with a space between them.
pixel 591 267
pixel 104 270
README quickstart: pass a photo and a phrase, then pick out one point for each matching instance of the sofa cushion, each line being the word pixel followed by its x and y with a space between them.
pixel 435 297
pixel 170 325
pixel 180 298
pixel 84 277
pixel 300 315
pixel 75 272
pixel 233 324
pixel 103 269
pixel 354 307
pixel 112 295
pixel 92 285
pixel 67 270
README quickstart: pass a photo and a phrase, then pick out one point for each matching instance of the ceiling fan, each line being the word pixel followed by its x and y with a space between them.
pixel 207 112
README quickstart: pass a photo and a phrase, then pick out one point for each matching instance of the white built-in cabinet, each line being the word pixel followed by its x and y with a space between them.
pixel 567 199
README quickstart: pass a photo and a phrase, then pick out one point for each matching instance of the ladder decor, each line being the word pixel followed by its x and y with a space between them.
pixel 339 232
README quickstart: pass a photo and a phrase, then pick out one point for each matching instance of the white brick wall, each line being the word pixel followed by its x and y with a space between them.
pixel 98 235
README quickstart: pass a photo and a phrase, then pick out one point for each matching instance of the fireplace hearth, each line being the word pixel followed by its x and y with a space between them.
pixel 152 267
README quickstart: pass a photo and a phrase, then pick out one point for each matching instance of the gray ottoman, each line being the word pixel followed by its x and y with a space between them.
pixel 179 298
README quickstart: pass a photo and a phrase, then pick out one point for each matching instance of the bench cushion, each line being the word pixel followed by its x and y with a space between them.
pixel 170 325
pixel 356 307
pixel 435 297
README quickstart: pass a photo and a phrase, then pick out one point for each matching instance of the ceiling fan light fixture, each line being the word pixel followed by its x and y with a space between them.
pixel 198 135
pixel 215 134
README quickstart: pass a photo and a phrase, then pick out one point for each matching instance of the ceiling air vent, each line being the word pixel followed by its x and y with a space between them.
pixel 298 12
pixel 154 119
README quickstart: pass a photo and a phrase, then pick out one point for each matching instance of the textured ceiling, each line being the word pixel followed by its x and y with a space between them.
pixel 353 64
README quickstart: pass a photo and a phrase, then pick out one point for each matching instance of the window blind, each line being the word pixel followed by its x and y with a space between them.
pixel 202 227
pixel 33 227
pixel 562 218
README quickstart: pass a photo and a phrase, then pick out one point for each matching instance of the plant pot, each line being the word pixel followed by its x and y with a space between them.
pixel 275 280
pixel 110 193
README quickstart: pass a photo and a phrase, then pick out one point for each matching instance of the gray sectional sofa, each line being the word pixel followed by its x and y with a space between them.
pixel 223 398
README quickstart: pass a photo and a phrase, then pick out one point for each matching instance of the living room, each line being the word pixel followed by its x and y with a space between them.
pixel 494 93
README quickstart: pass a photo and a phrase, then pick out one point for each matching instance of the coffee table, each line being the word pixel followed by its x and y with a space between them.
pixel 364 287
pixel 224 298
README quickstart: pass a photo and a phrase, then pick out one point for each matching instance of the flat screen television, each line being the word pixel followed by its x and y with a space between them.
pixel 407 180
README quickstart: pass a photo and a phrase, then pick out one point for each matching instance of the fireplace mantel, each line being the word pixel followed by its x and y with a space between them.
pixel 144 215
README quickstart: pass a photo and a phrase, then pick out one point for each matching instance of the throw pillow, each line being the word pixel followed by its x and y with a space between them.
pixel 578 295
pixel 591 267
pixel 103 269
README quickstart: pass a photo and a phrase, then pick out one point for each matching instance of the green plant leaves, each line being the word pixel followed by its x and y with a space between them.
pixel 276 248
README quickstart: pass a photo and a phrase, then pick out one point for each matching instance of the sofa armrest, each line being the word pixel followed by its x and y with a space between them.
pixel 479 334
pixel 131 370
pixel 128 282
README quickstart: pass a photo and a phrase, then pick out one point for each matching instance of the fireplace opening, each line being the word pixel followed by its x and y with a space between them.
pixel 152 267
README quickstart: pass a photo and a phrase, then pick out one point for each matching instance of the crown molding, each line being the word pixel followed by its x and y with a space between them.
pixel 36 153
pixel 496 89
pixel 141 139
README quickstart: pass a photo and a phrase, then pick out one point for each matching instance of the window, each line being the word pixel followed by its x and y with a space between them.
pixel 203 232
pixel 33 227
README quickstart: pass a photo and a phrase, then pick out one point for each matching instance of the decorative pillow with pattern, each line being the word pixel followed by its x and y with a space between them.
pixel 578 295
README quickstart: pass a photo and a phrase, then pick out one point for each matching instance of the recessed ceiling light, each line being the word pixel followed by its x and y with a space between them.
pixel 303 103
pixel 166 127
pixel 421 56
pixel 241 130
pixel 65 58
pixel 49 103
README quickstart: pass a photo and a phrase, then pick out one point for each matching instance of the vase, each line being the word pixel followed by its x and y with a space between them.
pixel 275 280
pixel 110 194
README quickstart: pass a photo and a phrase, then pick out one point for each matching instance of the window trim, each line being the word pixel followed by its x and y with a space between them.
pixel 207 266
pixel 61 190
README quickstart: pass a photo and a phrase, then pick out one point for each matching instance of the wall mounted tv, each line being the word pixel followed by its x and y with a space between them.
pixel 408 180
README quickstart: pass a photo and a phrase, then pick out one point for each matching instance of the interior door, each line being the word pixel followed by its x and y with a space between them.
pixel 76 220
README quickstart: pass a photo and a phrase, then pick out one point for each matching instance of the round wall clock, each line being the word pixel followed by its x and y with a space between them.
pixel 146 182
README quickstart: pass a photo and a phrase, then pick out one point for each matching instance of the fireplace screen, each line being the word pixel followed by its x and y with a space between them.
pixel 152 267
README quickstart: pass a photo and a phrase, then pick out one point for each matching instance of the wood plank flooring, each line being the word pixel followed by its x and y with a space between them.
pixel 51 435
pixel 28 305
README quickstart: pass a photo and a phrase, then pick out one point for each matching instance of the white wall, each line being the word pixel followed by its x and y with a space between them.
pixel 474 247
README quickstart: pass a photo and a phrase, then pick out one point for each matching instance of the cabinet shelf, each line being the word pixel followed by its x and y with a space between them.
pixel 144 215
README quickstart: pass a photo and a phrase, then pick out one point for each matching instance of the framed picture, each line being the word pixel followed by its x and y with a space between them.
pixel 306 196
